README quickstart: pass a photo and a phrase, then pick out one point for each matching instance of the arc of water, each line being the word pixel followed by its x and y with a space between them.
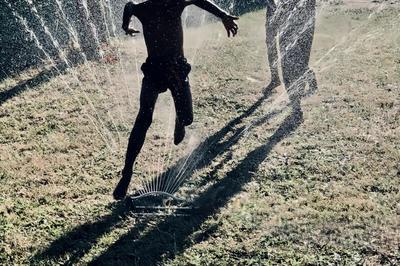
pixel 164 160
pixel 166 179
pixel 241 134
pixel 87 64
pixel 103 12
pixel 64 58
pixel 254 122
pixel 190 166
pixel 72 32
pixel 171 188
pixel 114 30
pixel 92 26
pixel 141 190
pixel 101 52
pixel 179 178
pixel 161 160
pixel 181 172
pixel 54 64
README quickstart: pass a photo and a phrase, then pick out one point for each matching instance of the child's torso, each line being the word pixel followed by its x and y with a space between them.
pixel 162 27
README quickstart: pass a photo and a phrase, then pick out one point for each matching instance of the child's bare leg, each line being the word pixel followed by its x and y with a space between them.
pixel 148 98
pixel 184 109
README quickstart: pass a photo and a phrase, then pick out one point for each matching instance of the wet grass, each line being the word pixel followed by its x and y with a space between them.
pixel 322 192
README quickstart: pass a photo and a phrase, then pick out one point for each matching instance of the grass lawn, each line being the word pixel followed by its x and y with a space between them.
pixel 321 192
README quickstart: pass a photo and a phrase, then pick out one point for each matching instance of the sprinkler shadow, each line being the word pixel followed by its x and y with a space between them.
pixel 169 237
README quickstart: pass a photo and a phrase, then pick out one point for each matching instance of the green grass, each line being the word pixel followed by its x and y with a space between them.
pixel 327 193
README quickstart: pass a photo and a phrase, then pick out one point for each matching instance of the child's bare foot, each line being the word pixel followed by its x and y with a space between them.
pixel 179 133
pixel 122 187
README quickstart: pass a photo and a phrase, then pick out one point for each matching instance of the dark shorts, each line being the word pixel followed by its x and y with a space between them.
pixel 170 73
pixel 166 73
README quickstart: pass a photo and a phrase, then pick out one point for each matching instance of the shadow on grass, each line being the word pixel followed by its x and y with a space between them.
pixel 41 78
pixel 168 238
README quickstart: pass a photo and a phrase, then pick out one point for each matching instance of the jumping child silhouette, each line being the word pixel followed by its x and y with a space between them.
pixel 165 68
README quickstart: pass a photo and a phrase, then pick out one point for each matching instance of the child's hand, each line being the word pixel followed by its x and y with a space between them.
pixel 230 25
pixel 131 32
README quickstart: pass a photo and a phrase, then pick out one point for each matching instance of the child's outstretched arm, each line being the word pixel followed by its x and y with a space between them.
pixel 129 11
pixel 228 20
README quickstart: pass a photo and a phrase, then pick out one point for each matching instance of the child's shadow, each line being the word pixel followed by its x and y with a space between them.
pixel 168 237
